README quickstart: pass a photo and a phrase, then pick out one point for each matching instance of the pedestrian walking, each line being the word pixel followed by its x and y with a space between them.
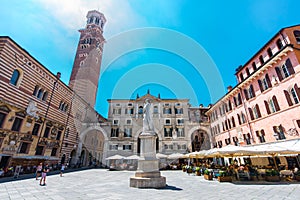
pixel 45 170
pixel 38 171
pixel 62 169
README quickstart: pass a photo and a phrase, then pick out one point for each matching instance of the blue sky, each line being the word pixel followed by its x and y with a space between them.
pixel 179 48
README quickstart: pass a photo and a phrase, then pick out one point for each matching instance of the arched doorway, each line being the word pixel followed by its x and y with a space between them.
pixel 82 158
pixel 200 140
pixel 139 144
pixel 72 158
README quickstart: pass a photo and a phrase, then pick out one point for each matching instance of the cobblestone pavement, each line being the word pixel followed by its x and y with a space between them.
pixel 104 184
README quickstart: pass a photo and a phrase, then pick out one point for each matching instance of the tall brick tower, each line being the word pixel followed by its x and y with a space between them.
pixel 86 67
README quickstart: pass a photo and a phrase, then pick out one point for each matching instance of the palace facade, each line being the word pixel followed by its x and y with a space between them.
pixel 40 116
pixel 180 128
pixel 264 106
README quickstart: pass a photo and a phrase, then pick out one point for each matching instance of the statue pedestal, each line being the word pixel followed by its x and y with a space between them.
pixel 148 174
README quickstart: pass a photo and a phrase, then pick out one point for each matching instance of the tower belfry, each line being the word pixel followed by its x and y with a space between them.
pixel 86 68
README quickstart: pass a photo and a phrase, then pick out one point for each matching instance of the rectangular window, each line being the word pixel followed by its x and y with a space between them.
pixel 128 132
pixel 113 147
pixel 180 121
pixel 117 111
pixel 2 118
pixel 168 122
pixel 127 147
pixel 128 121
pixel 36 128
pixel 39 150
pixel 115 122
pixel 46 132
pixel 167 111
pixel 17 124
pixel 54 152
pixel 178 110
pixel 129 111
pixel 298 123
pixel 58 135
pixel 24 147
pixel 180 132
pixel 114 132
pixel 168 132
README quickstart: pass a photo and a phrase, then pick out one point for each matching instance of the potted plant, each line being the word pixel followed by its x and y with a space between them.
pixel 272 175
pixel 189 169
pixel 197 171
pixel 224 176
pixel 184 168
pixel 208 174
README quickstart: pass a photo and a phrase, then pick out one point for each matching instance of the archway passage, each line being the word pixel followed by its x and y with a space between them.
pixel 139 144
pixel 92 148
pixel 200 140
pixel 72 158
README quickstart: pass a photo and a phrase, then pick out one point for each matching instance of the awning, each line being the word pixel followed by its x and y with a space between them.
pixel 36 157
pixel 1 154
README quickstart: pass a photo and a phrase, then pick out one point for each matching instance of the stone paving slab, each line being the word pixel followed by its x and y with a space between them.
pixel 104 184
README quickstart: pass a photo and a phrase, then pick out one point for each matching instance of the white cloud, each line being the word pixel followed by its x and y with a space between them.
pixel 71 14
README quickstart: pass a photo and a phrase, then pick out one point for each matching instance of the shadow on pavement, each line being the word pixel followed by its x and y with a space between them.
pixel 170 187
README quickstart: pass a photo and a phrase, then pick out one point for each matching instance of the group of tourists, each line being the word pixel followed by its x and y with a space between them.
pixel 42 171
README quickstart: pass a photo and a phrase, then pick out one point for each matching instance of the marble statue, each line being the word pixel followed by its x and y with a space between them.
pixel 147 120
pixel 32 109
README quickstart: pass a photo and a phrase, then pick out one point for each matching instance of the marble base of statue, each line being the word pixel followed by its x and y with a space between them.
pixel 148 174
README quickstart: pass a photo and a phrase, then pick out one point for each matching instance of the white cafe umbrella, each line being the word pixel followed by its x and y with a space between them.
pixel 115 157
pixel 132 157
pixel 160 155
pixel 176 156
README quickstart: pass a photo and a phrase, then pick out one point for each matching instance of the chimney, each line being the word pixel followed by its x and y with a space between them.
pixel 229 88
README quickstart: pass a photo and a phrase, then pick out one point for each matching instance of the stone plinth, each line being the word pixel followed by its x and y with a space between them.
pixel 148 174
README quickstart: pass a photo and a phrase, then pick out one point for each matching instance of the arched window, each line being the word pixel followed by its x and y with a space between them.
pixel 256 111
pixel 36 89
pixel 241 77
pixel 233 121
pixel 261 60
pixel 239 99
pixel 247 71
pixel 270 53
pixel 229 105
pixel 15 77
pixel 279 44
pixel 45 96
pixel 272 106
pixel 141 110
pixel 254 66
pixel 155 109
pixel 295 94
pixel 297 35
pixel 243 118
pixel 66 108
pixel 40 93
pixel 239 119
